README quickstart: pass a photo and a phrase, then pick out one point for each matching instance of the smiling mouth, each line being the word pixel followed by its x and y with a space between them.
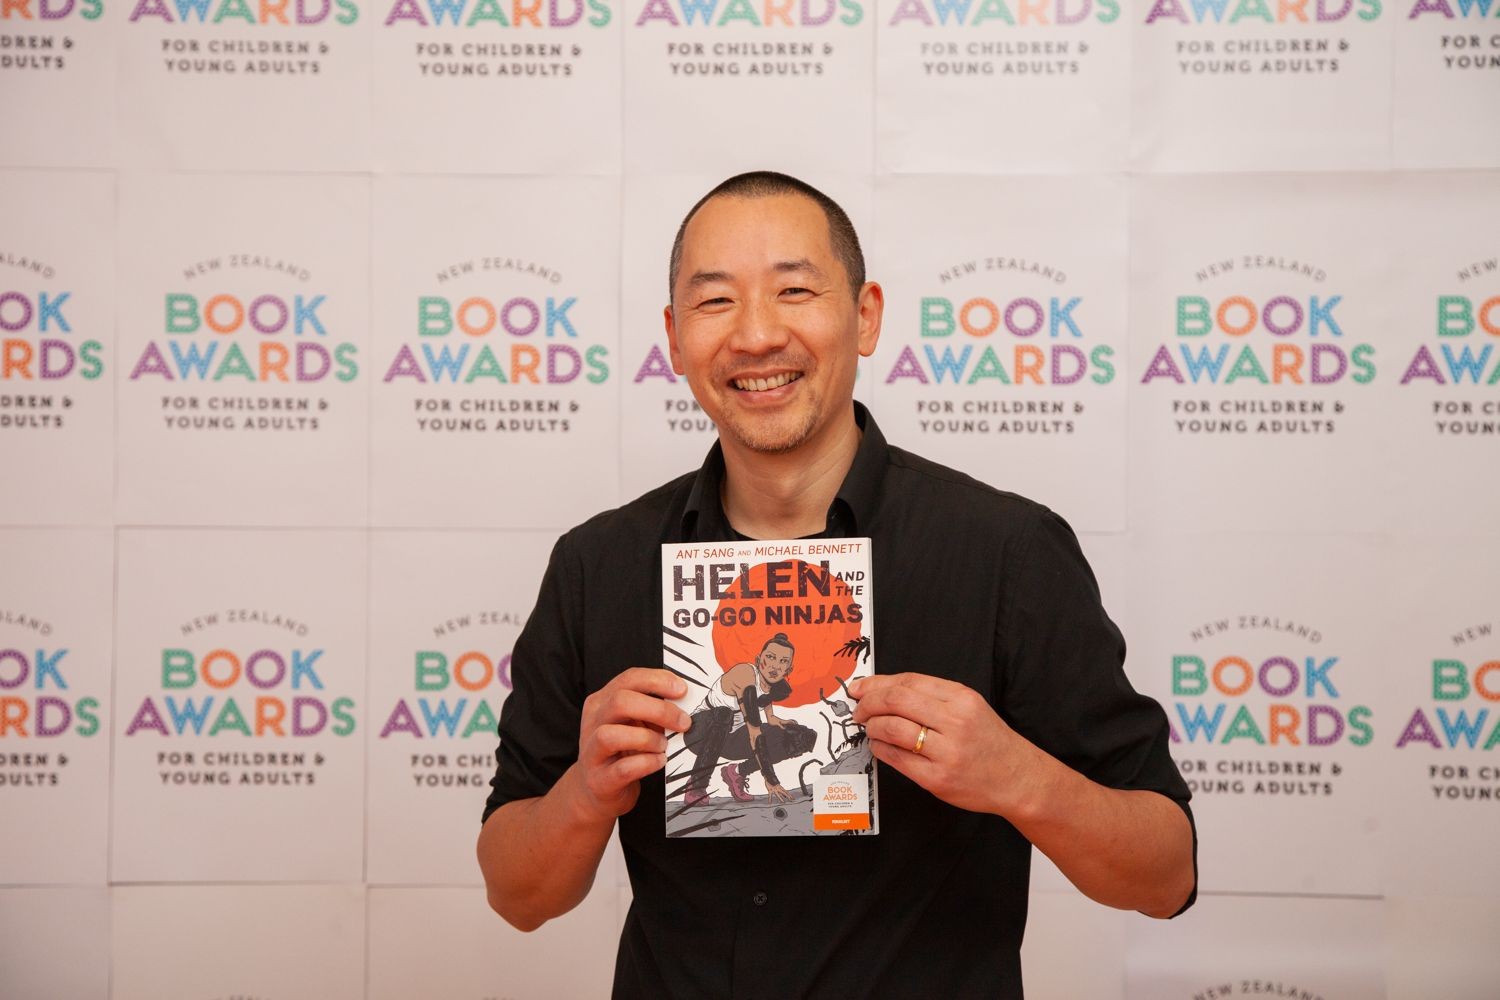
pixel 765 384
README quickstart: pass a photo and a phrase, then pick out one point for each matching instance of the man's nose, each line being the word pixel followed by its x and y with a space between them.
pixel 759 329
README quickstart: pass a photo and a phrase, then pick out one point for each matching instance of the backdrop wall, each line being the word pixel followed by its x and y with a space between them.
pixel 320 319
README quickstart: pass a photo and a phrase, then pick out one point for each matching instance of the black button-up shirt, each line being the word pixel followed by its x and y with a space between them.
pixel 970 583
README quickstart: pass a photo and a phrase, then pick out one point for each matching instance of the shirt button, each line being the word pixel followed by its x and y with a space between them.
pixel 759 899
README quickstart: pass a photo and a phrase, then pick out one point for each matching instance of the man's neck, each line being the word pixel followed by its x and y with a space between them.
pixel 787 495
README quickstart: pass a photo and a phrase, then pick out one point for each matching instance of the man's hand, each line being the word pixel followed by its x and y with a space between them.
pixel 970 758
pixel 1127 848
pixel 539 855
pixel 620 739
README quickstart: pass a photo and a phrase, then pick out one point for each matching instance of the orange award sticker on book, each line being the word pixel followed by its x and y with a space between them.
pixel 841 802
pixel 768 634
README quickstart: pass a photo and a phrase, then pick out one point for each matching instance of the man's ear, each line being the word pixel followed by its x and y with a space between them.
pixel 871 311
pixel 669 320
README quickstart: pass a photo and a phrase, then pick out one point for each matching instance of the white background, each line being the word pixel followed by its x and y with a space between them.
pixel 1306 481
pixel 1321 118
pixel 201 119
pixel 303 941
pixel 1072 226
pixel 120 174
pixel 57 833
pixel 489 478
pixel 64 223
pixel 422 582
pixel 236 476
pixel 165 831
pixel 1308 843
pixel 430 116
pixel 1030 97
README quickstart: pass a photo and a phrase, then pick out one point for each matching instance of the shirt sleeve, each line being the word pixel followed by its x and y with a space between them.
pixel 540 718
pixel 1061 680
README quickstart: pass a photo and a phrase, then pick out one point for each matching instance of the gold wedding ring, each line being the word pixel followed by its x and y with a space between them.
pixel 921 739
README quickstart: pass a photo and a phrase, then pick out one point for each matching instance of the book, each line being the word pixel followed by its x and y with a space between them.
pixel 768 635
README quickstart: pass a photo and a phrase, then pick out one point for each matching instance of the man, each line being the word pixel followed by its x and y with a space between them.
pixel 1006 720
pixel 729 723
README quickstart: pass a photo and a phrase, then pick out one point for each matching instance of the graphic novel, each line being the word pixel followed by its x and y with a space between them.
pixel 767 635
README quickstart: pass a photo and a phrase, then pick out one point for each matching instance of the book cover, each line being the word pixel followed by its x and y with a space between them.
pixel 767 635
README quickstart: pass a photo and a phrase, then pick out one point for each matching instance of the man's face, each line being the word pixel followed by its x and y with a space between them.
pixel 763 323
pixel 775 662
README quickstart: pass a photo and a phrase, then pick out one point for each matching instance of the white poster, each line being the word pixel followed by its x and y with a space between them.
pixel 1244 85
pixel 446 608
pixel 496 354
pixel 1003 350
pixel 57 348
pixel 731 85
pixel 239 705
pixel 1444 316
pixel 56 610
pixel 1261 352
pixel 481 86
pixel 187 942
pixel 55 943
pixel 1003 86
pixel 1263 652
pixel 1057 924
pixel 1441 704
pixel 1225 948
pixel 1446 72
pixel 242 85
pixel 57 57
pixel 243 350
pixel 482 955
pixel 1442 946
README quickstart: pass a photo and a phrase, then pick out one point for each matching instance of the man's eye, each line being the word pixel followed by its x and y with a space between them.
pixel 796 291
pixel 717 301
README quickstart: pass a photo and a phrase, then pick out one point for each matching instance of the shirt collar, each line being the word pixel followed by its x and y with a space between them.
pixel 854 505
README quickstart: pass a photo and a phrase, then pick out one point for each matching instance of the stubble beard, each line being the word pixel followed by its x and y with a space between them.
pixel 773 434
pixel 788 434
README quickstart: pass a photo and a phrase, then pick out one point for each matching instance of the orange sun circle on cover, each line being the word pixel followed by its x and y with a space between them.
pixel 817 625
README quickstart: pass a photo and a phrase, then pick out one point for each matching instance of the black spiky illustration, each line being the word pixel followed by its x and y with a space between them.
pixel 854 647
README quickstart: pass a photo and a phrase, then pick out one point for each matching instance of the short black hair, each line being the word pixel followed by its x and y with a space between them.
pixel 763 184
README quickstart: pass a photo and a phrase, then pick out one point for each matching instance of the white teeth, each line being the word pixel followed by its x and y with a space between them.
pixel 762 384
